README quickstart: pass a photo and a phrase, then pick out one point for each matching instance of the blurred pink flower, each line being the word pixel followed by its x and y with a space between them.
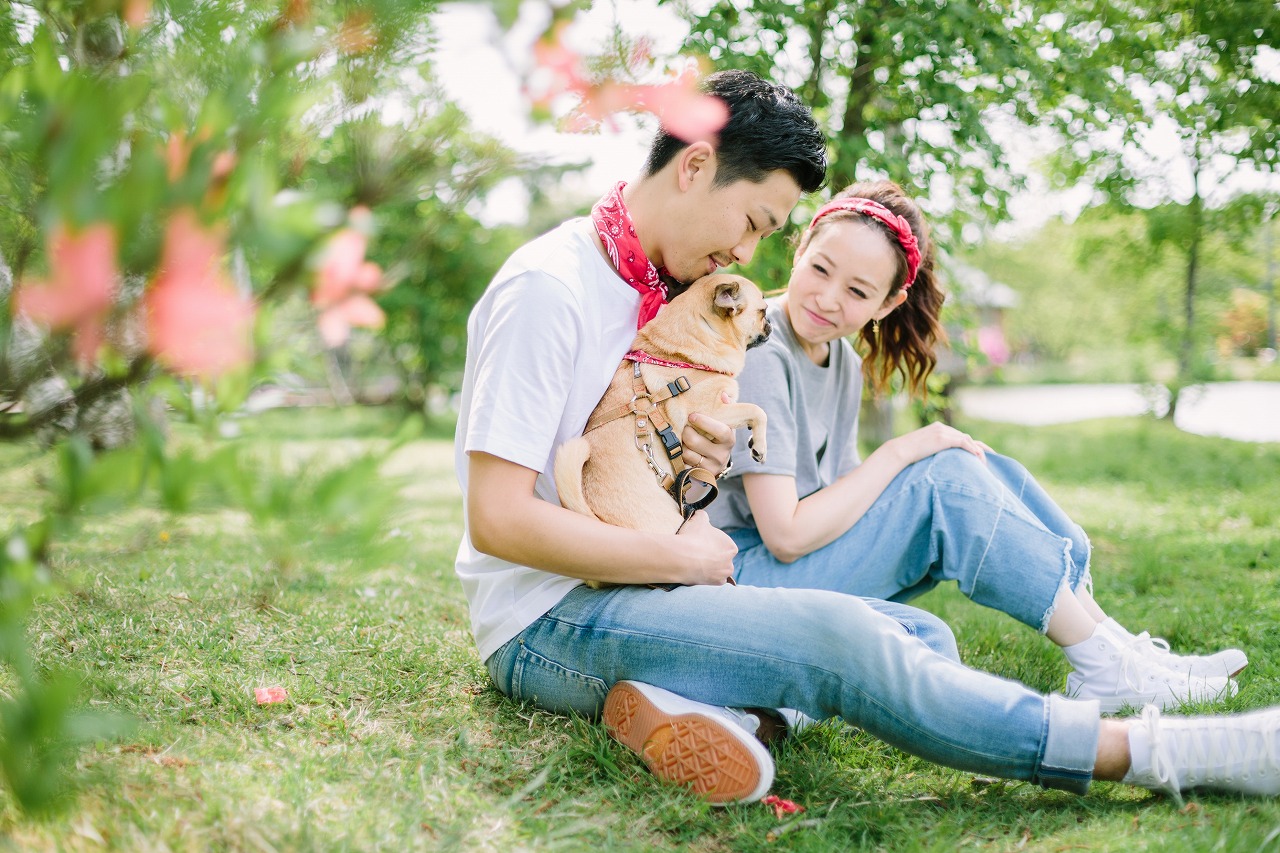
pixel 196 321
pixel 992 344
pixel 344 281
pixel 683 111
pixel 135 12
pixel 270 695
pixel 80 289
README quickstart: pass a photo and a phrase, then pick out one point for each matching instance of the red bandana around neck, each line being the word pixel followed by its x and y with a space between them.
pixel 618 233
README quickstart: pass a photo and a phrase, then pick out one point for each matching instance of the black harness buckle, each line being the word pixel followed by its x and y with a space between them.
pixel 671 442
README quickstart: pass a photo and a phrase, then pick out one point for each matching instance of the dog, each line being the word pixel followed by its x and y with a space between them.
pixel 702 336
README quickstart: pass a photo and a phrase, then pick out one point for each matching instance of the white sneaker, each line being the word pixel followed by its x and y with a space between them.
pixel 797 721
pixel 713 750
pixel 1119 675
pixel 1227 662
pixel 1239 752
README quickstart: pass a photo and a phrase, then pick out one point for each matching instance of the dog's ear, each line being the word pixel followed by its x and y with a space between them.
pixel 729 301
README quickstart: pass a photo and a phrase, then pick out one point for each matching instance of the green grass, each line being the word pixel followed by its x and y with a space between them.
pixel 392 737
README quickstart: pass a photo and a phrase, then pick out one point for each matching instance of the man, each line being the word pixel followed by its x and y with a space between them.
pixel 543 343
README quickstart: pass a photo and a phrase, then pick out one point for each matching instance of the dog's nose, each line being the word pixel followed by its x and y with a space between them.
pixel 765 331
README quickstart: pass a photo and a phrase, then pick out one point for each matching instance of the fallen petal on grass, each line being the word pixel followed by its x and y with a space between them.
pixel 270 695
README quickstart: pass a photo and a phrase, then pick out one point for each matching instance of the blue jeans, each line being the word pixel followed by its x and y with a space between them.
pixel 989 527
pixel 826 654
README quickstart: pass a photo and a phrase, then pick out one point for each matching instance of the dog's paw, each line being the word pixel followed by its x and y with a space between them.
pixel 757 453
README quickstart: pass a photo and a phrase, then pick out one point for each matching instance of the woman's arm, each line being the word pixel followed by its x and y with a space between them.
pixel 507 520
pixel 792 528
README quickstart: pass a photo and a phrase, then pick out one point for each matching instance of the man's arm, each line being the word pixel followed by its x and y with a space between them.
pixel 507 520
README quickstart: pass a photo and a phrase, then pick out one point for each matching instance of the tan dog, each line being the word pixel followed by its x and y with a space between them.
pixel 603 473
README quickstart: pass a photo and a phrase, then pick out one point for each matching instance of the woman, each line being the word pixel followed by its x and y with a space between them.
pixel 932 505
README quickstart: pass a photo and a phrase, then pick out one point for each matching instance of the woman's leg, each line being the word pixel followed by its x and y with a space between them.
pixel 948 517
pixel 994 531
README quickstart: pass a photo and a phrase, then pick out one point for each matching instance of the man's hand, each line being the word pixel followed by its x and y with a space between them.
pixel 707 442
pixel 708 551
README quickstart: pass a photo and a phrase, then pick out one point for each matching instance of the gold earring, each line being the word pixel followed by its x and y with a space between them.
pixel 875 327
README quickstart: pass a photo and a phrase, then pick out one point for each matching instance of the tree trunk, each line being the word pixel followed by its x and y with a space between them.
pixel 1187 346
pixel 1268 238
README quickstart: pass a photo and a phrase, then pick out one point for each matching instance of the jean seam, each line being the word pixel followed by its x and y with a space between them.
pixel 961 488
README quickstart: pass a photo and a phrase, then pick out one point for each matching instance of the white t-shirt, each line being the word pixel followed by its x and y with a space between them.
pixel 543 343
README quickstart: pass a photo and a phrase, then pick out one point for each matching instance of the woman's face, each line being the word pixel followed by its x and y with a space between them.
pixel 840 283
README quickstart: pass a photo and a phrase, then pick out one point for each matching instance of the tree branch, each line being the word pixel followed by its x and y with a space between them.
pixel 84 396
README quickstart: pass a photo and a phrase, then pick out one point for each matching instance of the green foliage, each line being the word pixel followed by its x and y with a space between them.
pixel 272 119
pixel 1105 291
pixel 906 91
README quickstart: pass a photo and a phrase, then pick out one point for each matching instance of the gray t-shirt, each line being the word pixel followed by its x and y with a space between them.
pixel 812 430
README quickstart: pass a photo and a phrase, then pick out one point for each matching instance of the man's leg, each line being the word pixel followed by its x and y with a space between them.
pixel 824 654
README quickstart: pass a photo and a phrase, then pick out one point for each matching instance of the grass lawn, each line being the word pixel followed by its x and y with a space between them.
pixel 392 738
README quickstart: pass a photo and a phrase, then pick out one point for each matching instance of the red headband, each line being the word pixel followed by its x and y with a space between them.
pixel 898 225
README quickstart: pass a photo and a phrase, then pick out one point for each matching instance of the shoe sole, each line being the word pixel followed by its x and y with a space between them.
pixel 715 759
pixel 1113 705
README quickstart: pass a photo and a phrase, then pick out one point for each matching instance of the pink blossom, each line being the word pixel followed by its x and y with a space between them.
pixel 992 344
pixel 683 111
pixel 80 289
pixel 344 281
pixel 780 806
pixel 135 12
pixel 196 321
pixel 270 695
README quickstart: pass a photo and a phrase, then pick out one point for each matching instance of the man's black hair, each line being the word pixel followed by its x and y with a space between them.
pixel 768 129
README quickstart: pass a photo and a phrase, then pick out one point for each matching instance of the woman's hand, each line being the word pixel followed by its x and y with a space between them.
pixel 707 442
pixel 935 437
pixel 708 550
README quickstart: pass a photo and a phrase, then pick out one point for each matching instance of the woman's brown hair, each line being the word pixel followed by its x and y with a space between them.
pixel 910 333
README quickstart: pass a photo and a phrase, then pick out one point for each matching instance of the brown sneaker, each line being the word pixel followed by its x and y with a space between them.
pixel 704 747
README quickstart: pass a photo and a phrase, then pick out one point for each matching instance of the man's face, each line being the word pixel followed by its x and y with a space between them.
pixel 717 226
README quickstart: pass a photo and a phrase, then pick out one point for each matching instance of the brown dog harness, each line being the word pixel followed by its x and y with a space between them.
pixel 650 420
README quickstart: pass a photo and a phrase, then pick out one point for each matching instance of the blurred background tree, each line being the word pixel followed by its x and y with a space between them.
pixel 1203 74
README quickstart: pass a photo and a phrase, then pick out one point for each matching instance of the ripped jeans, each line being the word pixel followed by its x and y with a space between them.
pixel 989 527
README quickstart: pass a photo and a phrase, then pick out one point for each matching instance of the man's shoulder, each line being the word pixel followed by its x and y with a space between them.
pixel 565 254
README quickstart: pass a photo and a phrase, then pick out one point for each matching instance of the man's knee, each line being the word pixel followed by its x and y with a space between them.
pixel 936 634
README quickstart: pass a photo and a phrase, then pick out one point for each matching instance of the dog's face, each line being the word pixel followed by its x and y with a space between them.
pixel 737 304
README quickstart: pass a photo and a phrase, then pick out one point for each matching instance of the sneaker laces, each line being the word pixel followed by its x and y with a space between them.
pixel 1164 768
pixel 1136 668
pixel 1145 643
pixel 1221 755
pixel 743 719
